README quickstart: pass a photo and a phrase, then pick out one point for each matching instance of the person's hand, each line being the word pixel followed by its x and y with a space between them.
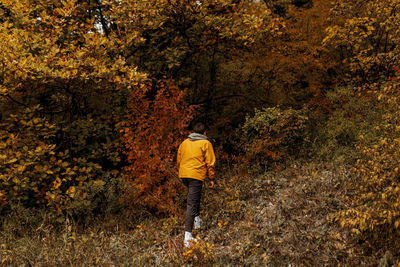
pixel 211 184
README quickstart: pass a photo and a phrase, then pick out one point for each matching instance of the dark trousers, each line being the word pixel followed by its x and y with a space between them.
pixel 193 201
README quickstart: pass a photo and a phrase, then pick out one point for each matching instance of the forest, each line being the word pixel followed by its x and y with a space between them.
pixel 301 99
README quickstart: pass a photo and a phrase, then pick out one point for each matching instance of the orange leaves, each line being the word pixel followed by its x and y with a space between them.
pixel 151 136
pixel 3 198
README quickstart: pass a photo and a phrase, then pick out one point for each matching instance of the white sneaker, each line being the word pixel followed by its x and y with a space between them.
pixel 189 239
pixel 197 222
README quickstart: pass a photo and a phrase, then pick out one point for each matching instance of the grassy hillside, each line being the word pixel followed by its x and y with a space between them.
pixel 278 218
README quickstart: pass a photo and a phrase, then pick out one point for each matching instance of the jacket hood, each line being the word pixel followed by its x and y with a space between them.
pixel 197 136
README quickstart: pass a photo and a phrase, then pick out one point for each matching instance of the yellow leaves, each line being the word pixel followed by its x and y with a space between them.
pixel 69 4
pixel 65 164
pixel 52 60
pixel 12 160
pixel 3 90
pixel 221 223
pixel 50 196
pixel 57 183
pixel 99 183
pixel 358 32
pixel 31 170
pixel 3 199
pixel 42 168
pixel 97 166
pixel 375 204
pixel 67 9
pixel 6 25
pixel 21 168
pixel 5 259
pixel 199 251
pixel 71 191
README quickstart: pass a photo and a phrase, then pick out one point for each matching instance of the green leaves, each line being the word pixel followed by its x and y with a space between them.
pixel 271 133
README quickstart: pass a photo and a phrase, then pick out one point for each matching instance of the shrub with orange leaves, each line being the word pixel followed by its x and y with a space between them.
pixel 152 133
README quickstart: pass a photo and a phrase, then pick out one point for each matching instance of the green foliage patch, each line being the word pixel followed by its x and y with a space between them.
pixel 353 114
pixel 274 134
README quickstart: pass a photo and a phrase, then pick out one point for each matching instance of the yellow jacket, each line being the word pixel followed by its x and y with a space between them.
pixel 196 159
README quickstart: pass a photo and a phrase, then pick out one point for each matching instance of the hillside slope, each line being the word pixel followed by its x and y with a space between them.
pixel 279 218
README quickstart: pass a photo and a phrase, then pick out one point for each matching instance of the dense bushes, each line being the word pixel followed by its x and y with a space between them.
pixel 353 113
pixel 274 134
pixel 35 172
pixel 155 126
pixel 374 205
pixel 365 35
pixel 64 156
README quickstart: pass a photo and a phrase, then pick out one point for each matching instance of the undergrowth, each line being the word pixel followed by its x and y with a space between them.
pixel 275 218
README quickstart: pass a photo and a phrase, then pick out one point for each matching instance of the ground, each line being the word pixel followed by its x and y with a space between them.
pixel 281 217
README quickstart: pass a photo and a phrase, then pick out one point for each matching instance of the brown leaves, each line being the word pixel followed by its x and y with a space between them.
pixel 151 135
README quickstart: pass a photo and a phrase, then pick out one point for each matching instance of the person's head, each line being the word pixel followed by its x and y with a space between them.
pixel 199 128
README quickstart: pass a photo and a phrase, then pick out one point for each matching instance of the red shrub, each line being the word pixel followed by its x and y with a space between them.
pixel 156 125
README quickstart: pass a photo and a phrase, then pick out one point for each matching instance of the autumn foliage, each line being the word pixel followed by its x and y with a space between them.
pixel 273 135
pixel 156 123
pixel 62 84
pixel 33 173
pixel 95 97
pixel 375 204
pixel 365 36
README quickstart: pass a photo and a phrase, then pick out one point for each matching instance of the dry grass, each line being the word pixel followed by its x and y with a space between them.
pixel 270 219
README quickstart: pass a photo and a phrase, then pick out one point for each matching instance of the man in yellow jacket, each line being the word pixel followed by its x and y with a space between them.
pixel 196 162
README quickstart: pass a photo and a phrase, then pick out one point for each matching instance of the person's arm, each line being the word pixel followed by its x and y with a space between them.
pixel 210 161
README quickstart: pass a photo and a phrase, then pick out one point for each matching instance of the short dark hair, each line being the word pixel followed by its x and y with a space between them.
pixel 199 128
